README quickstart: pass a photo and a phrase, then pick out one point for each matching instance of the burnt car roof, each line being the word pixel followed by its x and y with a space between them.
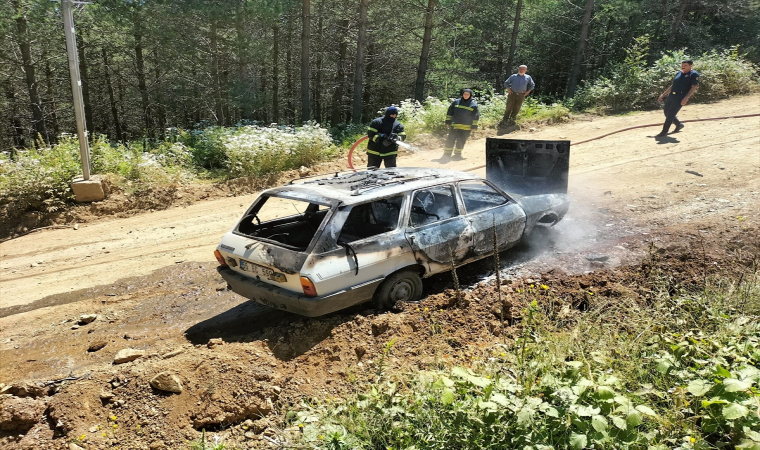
pixel 359 186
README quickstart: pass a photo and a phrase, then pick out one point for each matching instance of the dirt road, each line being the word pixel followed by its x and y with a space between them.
pixel 150 285
pixel 630 172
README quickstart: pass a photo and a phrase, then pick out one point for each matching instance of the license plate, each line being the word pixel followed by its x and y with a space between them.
pixel 255 269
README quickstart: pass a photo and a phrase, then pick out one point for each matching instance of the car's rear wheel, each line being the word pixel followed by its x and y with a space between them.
pixel 404 286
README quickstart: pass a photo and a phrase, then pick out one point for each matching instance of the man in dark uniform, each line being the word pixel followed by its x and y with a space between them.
pixel 678 94
pixel 383 134
pixel 462 117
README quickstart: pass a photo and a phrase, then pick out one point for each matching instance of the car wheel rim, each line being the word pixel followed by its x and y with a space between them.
pixel 402 291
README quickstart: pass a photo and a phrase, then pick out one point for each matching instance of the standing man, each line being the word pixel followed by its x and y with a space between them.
pixel 383 134
pixel 518 86
pixel 462 117
pixel 678 94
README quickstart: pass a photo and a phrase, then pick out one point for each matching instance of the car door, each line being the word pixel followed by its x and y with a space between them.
pixel 486 208
pixel 438 233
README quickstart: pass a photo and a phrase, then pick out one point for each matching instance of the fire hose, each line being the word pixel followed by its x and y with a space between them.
pixel 360 140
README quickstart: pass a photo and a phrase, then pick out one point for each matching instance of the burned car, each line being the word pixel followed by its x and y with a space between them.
pixel 322 244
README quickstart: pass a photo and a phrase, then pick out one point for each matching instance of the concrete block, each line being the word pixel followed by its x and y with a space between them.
pixel 88 191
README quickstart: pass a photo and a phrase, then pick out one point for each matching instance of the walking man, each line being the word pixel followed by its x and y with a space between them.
pixel 462 117
pixel 678 94
pixel 383 134
pixel 518 86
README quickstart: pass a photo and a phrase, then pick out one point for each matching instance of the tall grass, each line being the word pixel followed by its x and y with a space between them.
pixel 678 370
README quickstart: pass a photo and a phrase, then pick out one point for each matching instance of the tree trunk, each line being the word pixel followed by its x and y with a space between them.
pixel 276 74
pixel 160 108
pixel 141 83
pixel 585 25
pixel 361 43
pixel 52 99
pixel 677 22
pixel 305 61
pixel 340 77
pixel 38 119
pixel 658 27
pixel 513 42
pixel 427 38
pixel 367 95
pixel 318 77
pixel 499 84
pixel 112 101
pixel 18 136
pixel 85 79
pixel 242 62
pixel 290 112
pixel 215 75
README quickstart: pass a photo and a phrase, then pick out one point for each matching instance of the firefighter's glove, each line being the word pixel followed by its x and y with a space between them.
pixel 393 137
pixel 382 136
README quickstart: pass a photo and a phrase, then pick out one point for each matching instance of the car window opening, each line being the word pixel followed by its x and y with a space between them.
pixel 371 219
pixel 292 223
pixel 432 205
pixel 478 196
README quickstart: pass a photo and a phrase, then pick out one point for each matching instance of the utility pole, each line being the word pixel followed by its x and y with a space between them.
pixel 76 83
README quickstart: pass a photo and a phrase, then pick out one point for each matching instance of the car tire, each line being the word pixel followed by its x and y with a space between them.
pixel 405 285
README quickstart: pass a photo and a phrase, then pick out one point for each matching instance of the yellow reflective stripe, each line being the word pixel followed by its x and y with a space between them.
pixel 448 117
pixel 371 129
pixel 459 126
pixel 372 152
pixel 402 134
pixel 475 123
pixel 465 107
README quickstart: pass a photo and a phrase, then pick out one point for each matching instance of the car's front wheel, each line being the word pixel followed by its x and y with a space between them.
pixel 403 286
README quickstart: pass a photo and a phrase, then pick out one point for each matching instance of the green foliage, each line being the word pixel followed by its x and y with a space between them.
pixel 679 372
pixel 632 85
pixel 430 117
pixel 38 179
pixel 253 150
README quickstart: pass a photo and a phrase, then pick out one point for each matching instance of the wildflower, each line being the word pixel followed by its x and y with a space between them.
pixel 83 437
pixel 321 436
pixel 426 310
pixel 300 425
pixel 590 293
pixel 113 418
pixel 692 439
pixel 739 218
pixel 544 287
pixel 503 354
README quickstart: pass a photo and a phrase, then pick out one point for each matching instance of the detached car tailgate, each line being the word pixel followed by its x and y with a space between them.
pixel 528 167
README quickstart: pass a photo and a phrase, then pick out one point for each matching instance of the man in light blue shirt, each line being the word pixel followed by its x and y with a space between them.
pixel 518 86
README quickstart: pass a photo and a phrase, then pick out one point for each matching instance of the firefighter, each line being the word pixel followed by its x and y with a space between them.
pixel 383 134
pixel 678 94
pixel 462 117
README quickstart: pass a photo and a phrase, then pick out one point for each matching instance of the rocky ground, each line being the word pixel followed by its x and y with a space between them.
pixel 119 332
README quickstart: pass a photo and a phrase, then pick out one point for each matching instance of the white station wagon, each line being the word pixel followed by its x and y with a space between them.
pixel 322 244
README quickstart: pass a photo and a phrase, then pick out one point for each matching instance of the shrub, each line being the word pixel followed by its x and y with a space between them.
pixel 680 372
pixel 38 179
pixel 254 150
pixel 633 85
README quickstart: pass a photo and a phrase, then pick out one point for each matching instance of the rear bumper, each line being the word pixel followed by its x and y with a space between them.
pixel 297 303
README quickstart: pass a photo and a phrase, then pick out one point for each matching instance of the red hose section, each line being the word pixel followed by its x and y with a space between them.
pixel 640 126
pixel 351 152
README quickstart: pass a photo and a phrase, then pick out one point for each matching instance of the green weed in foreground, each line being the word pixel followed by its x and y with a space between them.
pixel 678 372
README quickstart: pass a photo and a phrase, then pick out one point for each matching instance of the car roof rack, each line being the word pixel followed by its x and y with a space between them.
pixel 336 174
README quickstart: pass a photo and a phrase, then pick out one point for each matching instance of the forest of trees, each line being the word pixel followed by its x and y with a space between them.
pixel 148 65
